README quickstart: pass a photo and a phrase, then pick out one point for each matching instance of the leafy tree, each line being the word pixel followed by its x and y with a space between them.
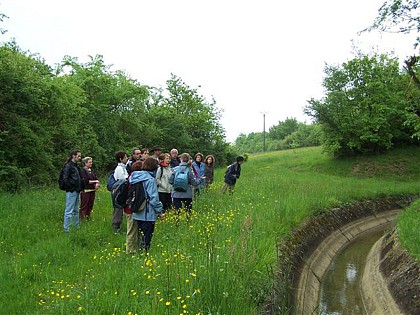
pixel 33 107
pixel 45 113
pixel 115 106
pixel 283 128
pixel 403 16
pixel 364 109
pixel 304 136
pixel 184 119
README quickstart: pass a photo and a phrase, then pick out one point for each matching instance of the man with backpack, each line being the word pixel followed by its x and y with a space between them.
pixel 233 172
pixel 181 180
pixel 120 176
pixel 71 181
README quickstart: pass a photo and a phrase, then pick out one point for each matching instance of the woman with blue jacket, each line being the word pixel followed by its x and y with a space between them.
pixel 146 218
pixel 199 170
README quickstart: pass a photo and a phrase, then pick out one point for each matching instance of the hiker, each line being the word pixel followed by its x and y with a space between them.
pixel 199 169
pixel 120 173
pixel 174 158
pixel 157 151
pixel 209 171
pixel 146 218
pixel 135 156
pixel 162 179
pixel 144 154
pixel 233 172
pixel 73 186
pixel 132 236
pixel 91 182
pixel 182 196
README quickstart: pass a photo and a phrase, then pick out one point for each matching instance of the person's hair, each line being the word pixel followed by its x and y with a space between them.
pixel 240 158
pixel 134 150
pixel 198 154
pixel 119 155
pixel 150 164
pixel 163 156
pixel 144 150
pixel 137 166
pixel 174 150
pixel 86 159
pixel 209 156
pixel 73 153
pixel 184 157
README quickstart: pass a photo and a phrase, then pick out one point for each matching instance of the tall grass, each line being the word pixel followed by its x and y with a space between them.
pixel 219 261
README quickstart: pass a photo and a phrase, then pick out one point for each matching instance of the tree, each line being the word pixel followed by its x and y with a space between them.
pixel 365 106
pixel 33 117
pixel 403 16
pixel 116 107
pixel 187 120
pixel 283 128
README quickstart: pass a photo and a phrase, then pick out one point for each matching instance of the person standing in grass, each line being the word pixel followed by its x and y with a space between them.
pixel 162 178
pixel 135 156
pixel 209 171
pixel 91 182
pixel 183 199
pixel 132 236
pixel 119 173
pixel 73 186
pixel 174 158
pixel 233 172
pixel 144 154
pixel 146 218
pixel 199 169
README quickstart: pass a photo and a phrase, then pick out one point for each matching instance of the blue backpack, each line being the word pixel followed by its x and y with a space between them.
pixel 111 181
pixel 181 179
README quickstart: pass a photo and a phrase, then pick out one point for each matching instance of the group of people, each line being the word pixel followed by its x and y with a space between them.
pixel 157 173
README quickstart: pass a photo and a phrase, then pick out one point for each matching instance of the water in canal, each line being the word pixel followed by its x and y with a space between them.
pixel 340 293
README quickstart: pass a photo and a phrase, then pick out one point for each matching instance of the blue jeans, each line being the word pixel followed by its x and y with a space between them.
pixel 71 210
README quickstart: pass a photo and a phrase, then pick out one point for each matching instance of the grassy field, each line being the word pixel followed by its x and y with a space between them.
pixel 220 261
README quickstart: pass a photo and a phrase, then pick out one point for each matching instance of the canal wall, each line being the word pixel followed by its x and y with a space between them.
pixel 302 257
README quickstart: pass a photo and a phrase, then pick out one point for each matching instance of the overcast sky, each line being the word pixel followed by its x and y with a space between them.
pixel 253 57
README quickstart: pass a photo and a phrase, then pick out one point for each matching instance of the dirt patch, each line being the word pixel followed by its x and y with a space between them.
pixel 371 169
pixel 295 250
pixel 402 273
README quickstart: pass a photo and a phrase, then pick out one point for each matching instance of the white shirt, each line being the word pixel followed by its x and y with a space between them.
pixel 120 172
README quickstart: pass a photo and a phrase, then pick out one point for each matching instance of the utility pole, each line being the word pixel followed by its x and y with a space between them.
pixel 263 130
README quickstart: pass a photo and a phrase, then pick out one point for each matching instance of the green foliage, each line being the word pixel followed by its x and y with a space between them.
pixel 283 129
pixel 365 107
pixel 31 117
pixel 46 113
pixel 408 229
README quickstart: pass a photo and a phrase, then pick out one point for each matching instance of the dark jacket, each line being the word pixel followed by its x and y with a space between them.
pixel 233 172
pixel 174 162
pixel 72 179
pixel 87 176
pixel 209 174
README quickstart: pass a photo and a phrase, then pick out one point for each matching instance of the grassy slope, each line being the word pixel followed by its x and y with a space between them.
pixel 219 261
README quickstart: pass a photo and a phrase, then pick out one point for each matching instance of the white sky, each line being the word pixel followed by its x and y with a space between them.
pixel 251 56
